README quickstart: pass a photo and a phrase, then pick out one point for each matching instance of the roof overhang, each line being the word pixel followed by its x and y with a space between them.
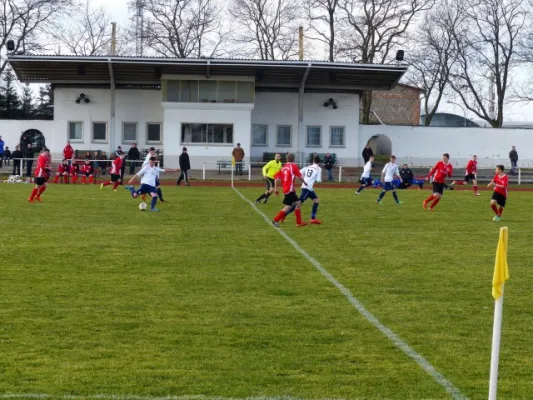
pixel 135 70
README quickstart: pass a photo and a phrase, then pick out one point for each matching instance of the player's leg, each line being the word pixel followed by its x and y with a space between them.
pixel 434 193
pixel 383 192
pixel 438 196
pixel 91 179
pixel 395 195
pixel 266 192
pixel 476 192
pixel 287 202
pixel 34 193
pixel 153 193
pixel 494 206
pixel 41 191
pixel 83 179
pixel 314 210
pixel 303 197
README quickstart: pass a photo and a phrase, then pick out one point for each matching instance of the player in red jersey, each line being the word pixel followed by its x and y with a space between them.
pixel 287 174
pixel 470 175
pixel 115 172
pixel 74 170
pixel 87 171
pixel 499 197
pixel 42 172
pixel 439 172
pixel 62 172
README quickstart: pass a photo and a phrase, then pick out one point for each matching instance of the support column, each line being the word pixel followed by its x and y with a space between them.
pixel 301 126
pixel 112 138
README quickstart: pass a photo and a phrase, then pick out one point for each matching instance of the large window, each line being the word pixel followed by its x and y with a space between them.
pixel 313 136
pixel 153 132
pixel 99 131
pixel 259 135
pixel 283 136
pixel 337 136
pixel 207 133
pixel 188 92
pixel 208 91
pixel 75 131
pixel 129 132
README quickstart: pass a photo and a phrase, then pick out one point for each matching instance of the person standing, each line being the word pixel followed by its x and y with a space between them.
pixel 133 155
pixel 269 171
pixel 499 197
pixel 103 163
pixel 185 166
pixel 439 172
pixel 7 156
pixel 328 165
pixel 68 152
pixel 42 172
pixel 16 156
pixel 366 178
pixel 118 153
pixel 28 156
pixel 367 153
pixel 513 156
pixel 1 151
pixel 238 155
pixel 387 175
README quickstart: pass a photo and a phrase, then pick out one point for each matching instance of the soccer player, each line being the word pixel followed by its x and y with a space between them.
pixel 499 197
pixel 438 173
pixel 41 175
pixel 312 174
pixel 152 153
pixel 470 175
pixel 287 174
pixel 87 171
pixel 74 170
pixel 366 179
pixel 115 172
pixel 390 170
pixel 269 171
pixel 62 172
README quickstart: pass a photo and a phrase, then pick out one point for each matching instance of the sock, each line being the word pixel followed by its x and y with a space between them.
pixel 41 191
pixel 143 196
pixel 34 193
pixel 381 195
pixel 66 178
pixel 160 194
pixel 435 202
pixel 360 189
pixel 106 183
pixel 500 211
pixel 74 178
pixel 395 195
pixel 314 210
pixel 267 195
pixel 298 214
pixel 153 203
pixel 116 185
pixel 56 179
pixel 83 179
pixel 475 188
pixel 261 197
pixel 429 198
pixel 279 216
pixel 91 179
pixel 495 209
pixel 290 210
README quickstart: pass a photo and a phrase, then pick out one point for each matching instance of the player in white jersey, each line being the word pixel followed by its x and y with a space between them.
pixel 311 174
pixel 152 153
pixel 366 179
pixel 387 175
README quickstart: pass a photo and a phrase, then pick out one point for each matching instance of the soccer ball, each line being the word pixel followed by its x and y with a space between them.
pixel 142 206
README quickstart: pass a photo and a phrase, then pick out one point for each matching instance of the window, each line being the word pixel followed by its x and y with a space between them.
pixel 226 92
pixel 208 91
pixel 189 92
pixel 75 131
pixel 207 133
pixel 259 135
pixel 173 91
pixel 99 131
pixel 129 132
pixel 313 136
pixel 245 92
pixel 284 136
pixel 336 136
pixel 153 133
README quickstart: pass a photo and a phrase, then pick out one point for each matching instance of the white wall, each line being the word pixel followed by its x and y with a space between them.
pixel 423 146
pixel 275 109
pixel 11 131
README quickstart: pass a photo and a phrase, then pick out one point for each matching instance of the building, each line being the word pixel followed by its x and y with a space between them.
pixel 447 120
pixel 207 105
pixel 399 106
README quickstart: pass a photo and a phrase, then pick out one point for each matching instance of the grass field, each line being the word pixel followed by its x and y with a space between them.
pixel 206 299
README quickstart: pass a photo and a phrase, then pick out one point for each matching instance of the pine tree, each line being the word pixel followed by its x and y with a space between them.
pixel 27 107
pixel 11 107
pixel 45 108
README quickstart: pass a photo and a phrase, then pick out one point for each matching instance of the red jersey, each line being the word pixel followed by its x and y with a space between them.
pixel 440 172
pixel 87 169
pixel 62 168
pixel 287 174
pixel 501 183
pixel 74 169
pixel 116 166
pixel 471 168
pixel 68 152
pixel 42 165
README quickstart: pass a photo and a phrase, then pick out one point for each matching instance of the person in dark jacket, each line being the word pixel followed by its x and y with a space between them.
pixel 103 163
pixel 133 155
pixel 328 165
pixel 513 156
pixel 24 141
pixel 367 153
pixel 407 177
pixel 16 156
pixel 28 155
pixel 7 156
pixel 185 166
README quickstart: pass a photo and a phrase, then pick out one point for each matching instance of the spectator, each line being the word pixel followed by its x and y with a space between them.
pixel 1 151
pixel 102 163
pixel 68 153
pixel 185 166
pixel 28 155
pixel 238 155
pixel 95 162
pixel 367 153
pixel 513 156
pixel 133 155
pixel 7 156
pixel 16 156
pixel 328 165
pixel 87 155
pixel 407 177
pixel 123 167
pixel 118 152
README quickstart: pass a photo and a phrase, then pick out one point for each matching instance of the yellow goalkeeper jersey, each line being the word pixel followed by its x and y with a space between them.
pixel 272 168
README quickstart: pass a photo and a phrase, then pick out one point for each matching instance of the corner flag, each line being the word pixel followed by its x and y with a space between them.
pixel 501 268
pixel 232 161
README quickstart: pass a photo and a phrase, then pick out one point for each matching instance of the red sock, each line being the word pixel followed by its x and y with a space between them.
pixel 56 179
pixel 435 202
pixel 41 190
pixel 430 198
pixel 106 183
pixel 74 178
pixel 298 214
pixel 34 193
pixel 279 216
pixel 494 208
pixel 83 179
pixel 66 178
pixel 91 179
pixel 500 212
pixel 116 185
pixel 475 188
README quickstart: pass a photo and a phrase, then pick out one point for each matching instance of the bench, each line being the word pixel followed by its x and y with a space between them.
pixel 322 155
pixel 270 156
pixel 228 164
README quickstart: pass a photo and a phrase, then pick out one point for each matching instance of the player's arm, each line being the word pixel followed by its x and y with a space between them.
pixel 319 177
pixel 265 169
pixel 431 172
pixel 299 175
pixel 277 177
pixel 137 175
pixel 383 172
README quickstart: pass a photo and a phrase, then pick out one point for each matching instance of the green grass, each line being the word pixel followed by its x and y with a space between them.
pixel 205 298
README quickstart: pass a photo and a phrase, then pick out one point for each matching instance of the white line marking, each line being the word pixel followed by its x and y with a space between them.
pixel 403 346
pixel 40 396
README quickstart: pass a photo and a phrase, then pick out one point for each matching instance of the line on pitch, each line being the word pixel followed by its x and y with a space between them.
pixel 42 396
pixel 393 337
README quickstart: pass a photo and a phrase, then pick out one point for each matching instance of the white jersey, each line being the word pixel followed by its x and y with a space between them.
pixel 311 174
pixel 147 161
pixel 390 170
pixel 149 174
pixel 366 170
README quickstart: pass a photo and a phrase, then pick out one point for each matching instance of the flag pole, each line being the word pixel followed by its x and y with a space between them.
pixel 495 354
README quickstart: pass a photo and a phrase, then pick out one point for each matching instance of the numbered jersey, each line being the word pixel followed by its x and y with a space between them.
pixel 311 174
pixel 287 175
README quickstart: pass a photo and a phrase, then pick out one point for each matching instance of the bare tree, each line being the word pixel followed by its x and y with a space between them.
pixel 487 52
pixel 23 20
pixel 372 28
pixel 269 28
pixel 436 54
pixel 323 17
pixel 183 28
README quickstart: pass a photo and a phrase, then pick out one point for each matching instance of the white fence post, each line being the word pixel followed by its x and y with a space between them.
pixel 340 173
pixel 203 171
pixel 232 170
pixel 519 176
pixel 249 171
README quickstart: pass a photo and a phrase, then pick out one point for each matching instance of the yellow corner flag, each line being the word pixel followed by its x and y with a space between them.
pixel 501 269
pixel 232 161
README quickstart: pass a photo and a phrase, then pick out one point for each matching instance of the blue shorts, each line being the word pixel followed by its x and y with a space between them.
pixel 146 189
pixel 366 181
pixel 307 194
pixel 157 181
pixel 388 186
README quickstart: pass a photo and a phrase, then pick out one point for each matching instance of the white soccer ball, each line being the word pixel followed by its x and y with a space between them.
pixel 142 206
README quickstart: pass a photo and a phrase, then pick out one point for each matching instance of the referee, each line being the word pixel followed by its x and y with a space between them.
pixel 269 171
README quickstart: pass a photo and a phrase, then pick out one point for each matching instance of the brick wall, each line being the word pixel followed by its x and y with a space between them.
pixel 399 106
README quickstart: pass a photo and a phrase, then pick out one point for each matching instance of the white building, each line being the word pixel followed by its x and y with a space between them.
pixel 205 105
